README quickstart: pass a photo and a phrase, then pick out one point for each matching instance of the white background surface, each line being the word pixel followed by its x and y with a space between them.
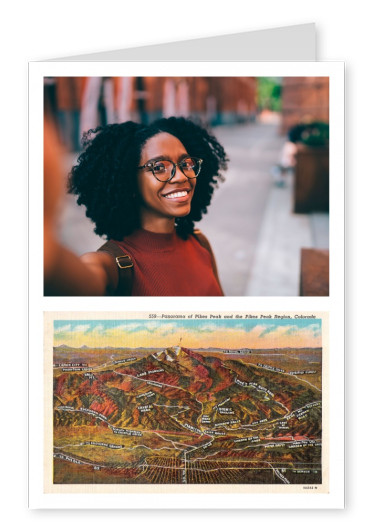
pixel 41 30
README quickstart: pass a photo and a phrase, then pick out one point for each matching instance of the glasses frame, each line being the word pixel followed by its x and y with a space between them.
pixel 150 166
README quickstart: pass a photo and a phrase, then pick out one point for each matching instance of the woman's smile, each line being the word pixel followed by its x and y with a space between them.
pixel 180 195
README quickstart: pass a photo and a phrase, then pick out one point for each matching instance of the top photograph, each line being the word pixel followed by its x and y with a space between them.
pixel 186 186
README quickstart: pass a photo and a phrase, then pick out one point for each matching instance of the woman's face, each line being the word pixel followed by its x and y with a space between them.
pixel 163 201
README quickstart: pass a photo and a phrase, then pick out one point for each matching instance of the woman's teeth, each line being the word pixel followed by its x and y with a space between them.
pixel 177 194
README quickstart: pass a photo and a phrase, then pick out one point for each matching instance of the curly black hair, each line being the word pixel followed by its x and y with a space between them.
pixel 105 176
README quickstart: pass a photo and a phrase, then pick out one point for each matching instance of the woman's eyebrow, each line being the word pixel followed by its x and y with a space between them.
pixel 166 157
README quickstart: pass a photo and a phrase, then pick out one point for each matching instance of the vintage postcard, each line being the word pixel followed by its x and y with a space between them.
pixel 190 402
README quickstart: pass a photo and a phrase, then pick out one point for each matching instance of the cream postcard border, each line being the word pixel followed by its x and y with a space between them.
pixel 50 488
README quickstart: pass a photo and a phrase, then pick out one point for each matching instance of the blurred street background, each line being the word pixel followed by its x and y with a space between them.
pixel 269 220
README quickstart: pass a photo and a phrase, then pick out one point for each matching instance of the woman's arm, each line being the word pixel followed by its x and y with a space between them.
pixel 68 274
pixel 64 272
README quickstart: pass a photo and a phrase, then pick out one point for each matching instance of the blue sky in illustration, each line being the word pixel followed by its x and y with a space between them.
pixel 205 332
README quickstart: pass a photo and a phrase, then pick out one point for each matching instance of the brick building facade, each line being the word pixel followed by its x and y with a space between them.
pixel 216 100
pixel 304 100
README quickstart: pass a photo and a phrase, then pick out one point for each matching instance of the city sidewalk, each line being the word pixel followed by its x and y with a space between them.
pixel 276 266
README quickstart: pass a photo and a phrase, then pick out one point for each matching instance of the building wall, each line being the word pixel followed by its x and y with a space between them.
pixel 212 99
pixel 80 104
pixel 304 99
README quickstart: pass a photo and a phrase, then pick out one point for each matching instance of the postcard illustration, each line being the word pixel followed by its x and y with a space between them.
pixel 187 401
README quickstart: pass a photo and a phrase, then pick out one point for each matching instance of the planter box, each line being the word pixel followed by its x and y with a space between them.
pixel 311 185
pixel 314 273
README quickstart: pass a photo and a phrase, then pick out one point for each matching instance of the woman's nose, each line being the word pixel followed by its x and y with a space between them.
pixel 178 176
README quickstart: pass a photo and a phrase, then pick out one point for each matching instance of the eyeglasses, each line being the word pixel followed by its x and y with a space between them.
pixel 165 170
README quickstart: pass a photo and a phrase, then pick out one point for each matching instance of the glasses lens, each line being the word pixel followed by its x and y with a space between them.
pixel 162 169
pixel 191 167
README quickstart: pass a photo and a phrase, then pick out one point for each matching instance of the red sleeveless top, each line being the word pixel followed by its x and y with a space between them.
pixel 166 265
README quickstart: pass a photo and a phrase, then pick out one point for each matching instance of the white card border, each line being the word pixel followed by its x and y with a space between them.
pixel 334 304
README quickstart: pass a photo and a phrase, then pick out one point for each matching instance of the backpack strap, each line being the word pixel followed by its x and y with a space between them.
pixel 125 267
pixel 204 242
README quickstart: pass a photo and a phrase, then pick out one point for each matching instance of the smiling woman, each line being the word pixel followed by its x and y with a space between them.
pixel 144 187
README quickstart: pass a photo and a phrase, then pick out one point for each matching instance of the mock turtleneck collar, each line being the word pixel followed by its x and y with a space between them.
pixel 153 241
